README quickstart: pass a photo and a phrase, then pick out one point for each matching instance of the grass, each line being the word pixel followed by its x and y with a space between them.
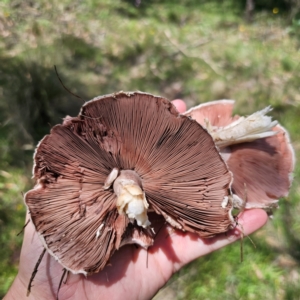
pixel 194 50
pixel 12 216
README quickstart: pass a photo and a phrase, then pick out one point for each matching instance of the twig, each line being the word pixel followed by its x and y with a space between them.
pixel 65 86
pixel 34 272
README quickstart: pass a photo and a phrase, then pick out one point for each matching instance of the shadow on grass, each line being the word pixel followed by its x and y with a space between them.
pixel 33 101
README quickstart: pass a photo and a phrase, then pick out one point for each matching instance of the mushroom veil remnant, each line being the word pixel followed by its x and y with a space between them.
pixel 99 175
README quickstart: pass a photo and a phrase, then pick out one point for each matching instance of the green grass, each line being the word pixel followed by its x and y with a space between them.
pixel 194 50
pixel 12 216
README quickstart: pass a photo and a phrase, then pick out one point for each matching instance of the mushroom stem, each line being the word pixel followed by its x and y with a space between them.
pixel 131 197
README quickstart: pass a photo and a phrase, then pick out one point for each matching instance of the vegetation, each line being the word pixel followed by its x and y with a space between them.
pixel 194 50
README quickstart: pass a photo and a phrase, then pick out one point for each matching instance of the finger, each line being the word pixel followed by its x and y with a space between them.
pixel 249 221
pixel 187 247
pixel 180 105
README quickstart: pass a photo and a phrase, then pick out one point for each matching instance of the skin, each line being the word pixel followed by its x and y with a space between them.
pixel 127 276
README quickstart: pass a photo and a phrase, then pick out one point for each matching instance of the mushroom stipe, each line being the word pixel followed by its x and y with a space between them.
pixel 102 178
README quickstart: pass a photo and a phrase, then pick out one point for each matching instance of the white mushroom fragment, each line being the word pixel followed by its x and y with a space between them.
pixel 244 129
pixel 131 198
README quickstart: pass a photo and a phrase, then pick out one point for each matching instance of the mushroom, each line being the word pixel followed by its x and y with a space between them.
pixel 256 149
pixel 100 175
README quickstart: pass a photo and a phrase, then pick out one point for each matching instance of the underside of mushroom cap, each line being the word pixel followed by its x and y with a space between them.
pixel 262 168
pixel 181 172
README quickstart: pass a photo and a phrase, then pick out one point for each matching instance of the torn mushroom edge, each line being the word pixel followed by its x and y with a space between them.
pixel 114 95
pixel 287 140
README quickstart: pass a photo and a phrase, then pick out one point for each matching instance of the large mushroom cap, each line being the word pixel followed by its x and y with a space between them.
pixel 179 170
pixel 262 168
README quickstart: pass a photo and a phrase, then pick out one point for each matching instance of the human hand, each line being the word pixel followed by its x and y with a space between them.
pixel 133 273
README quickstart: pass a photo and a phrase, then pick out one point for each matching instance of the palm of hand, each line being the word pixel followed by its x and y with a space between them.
pixel 131 274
